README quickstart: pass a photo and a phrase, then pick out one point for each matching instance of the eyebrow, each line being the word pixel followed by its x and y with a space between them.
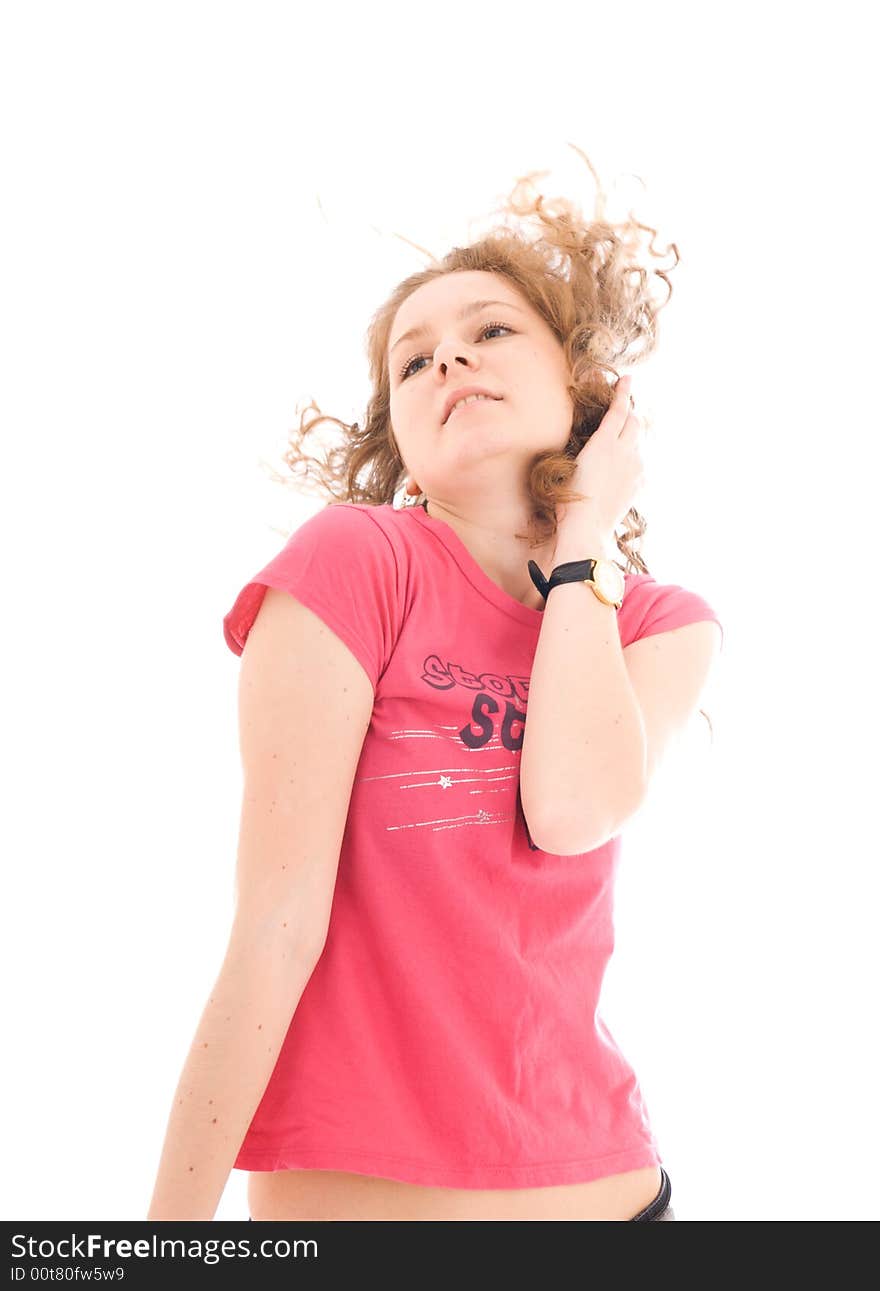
pixel 465 312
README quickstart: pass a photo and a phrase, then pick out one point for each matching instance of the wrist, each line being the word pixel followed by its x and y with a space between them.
pixel 580 542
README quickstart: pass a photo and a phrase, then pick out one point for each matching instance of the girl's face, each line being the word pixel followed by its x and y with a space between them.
pixel 475 329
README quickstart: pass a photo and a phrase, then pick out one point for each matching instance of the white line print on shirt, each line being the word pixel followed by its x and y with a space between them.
pixel 491 780
pixel 495 716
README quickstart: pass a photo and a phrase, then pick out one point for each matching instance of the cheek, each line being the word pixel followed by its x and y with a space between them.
pixel 542 384
pixel 410 450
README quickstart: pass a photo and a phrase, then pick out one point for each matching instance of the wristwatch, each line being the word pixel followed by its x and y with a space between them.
pixel 603 576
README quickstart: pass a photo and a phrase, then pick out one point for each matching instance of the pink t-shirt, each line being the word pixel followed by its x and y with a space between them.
pixel 450 1032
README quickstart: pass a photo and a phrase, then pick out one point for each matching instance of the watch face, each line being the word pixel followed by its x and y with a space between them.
pixel 609 580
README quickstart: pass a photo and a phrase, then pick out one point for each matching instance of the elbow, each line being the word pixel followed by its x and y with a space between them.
pixel 280 935
pixel 576 834
pixel 560 840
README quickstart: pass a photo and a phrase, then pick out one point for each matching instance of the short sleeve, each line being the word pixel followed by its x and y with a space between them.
pixel 342 566
pixel 650 607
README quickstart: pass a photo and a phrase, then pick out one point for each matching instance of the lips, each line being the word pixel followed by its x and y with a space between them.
pixel 463 393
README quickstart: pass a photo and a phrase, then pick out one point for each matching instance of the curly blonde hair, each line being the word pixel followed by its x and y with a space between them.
pixel 584 277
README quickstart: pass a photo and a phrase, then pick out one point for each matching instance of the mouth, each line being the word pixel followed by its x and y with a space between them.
pixel 462 407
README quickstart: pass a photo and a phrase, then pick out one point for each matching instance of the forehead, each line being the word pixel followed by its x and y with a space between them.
pixel 448 292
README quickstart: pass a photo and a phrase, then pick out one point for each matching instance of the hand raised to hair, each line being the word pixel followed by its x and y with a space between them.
pixel 610 468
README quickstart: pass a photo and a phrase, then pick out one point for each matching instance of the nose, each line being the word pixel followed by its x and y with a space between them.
pixel 449 354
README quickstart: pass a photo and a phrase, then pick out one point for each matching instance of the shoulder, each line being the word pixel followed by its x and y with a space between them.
pixel 364 522
pixel 353 517
pixel 354 535
pixel 342 563
pixel 650 607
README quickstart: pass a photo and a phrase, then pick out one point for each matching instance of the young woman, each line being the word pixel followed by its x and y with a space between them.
pixel 440 751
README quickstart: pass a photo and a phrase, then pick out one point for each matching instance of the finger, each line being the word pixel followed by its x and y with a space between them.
pixel 621 404
pixel 634 429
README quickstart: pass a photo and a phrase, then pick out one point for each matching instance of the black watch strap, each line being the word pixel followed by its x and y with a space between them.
pixel 538 578
pixel 570 571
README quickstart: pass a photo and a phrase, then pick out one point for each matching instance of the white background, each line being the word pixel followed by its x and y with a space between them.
pixel 200 212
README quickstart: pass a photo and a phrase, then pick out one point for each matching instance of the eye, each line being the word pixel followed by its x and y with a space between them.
pixel 487 327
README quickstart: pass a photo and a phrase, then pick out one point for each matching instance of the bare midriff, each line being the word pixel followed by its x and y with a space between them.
pixel 336 1194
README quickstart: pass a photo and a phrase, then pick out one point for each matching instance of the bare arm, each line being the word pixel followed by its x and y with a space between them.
pixel 305 705
pixel 231 1058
